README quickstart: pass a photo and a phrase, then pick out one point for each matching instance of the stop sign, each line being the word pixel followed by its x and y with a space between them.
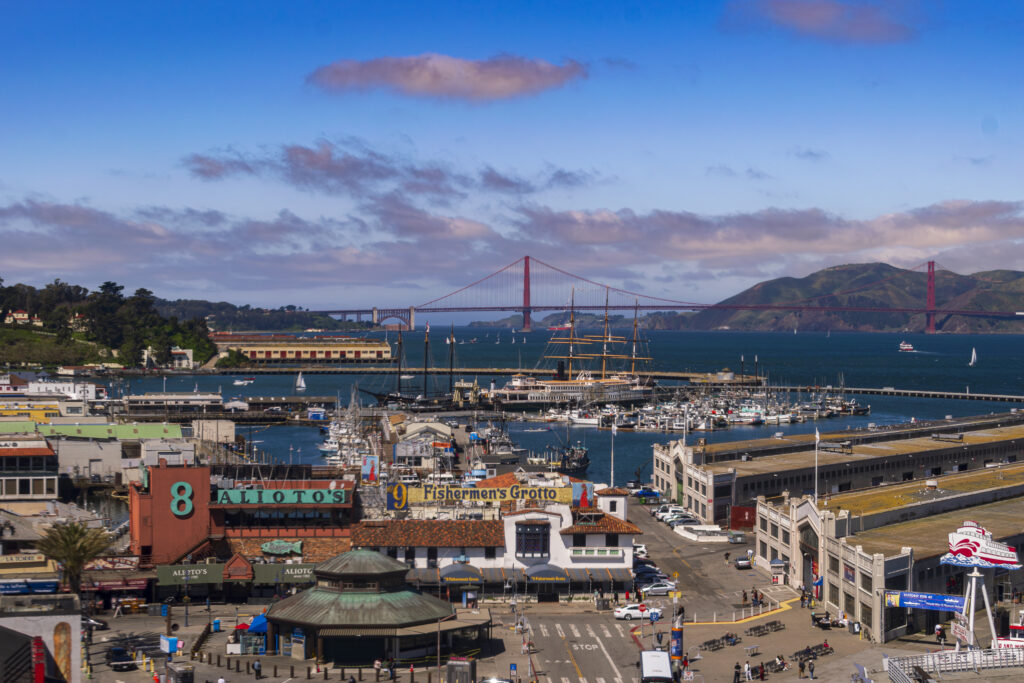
pixel 642 608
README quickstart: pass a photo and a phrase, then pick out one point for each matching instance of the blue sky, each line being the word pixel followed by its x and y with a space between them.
pixel 349 153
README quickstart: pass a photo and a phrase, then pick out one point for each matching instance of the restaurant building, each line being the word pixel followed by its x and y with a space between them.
pixel 231 537
pixel 283 348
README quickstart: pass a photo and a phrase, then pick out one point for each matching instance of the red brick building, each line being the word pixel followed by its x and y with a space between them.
pixel 179 514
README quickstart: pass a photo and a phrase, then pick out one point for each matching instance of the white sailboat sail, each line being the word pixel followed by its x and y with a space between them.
pixel 974 357
pixel 300 384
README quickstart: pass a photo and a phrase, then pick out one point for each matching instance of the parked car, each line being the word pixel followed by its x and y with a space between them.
pixel 642 580
pixel 118 659
pixel 629 612
pixel 743 563
pixel 640 549
pixel 634 486
pixel 659 588
pixel 643 562
pixel 684 521
pixel 647 492
pixel 674 514
pixel 670 512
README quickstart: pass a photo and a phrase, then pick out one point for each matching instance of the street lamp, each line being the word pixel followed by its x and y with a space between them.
pixel 439 620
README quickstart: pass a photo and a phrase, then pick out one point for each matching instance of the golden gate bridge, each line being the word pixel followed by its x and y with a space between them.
pixel 529 285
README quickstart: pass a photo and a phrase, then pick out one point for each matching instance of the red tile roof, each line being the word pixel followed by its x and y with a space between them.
pixel 499 482
pixel 607 524
pixel 428 533
pixel 613 492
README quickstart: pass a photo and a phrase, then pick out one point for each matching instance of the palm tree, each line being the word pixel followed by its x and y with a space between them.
pixel 74 545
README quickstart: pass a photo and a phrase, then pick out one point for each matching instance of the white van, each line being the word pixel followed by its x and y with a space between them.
pixel 655 667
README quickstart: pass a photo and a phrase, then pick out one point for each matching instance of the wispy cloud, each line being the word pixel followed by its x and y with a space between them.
pixel 351 168
pixel 975 161
pixel 721 170
pixel 441 76
pixel 810 154
pixel 852 21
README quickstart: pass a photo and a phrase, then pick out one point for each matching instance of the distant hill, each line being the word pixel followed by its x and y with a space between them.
pixel 223 316
pixel 871 285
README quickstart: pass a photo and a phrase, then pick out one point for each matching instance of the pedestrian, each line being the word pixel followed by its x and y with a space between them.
pixel 686 662
pixel 615 597
pixel 736 673
pixel 221 680
pixel 376 669
pixel 744 597
pixel 762 671
pixel 801 668
pixel 257 669
pixel 746 671
pixel 351 679
pixel 391 668
pixel 810 668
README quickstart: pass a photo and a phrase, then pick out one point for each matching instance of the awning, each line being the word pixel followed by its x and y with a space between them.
pixel 493 575
pixel 580 574
pixel 461 573
pixel 422 576
pixel 336 631
pixel 618 574
pixel 515 575
pixel 546 573
pixel 258 624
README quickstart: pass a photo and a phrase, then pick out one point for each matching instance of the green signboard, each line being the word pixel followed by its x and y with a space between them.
pixel 181 574
pixel 281 497
pixel 283 573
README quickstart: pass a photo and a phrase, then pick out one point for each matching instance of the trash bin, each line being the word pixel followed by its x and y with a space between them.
pixel 855 627
pixel 216 625
pixel 180 672
pixel 602 604
pixel 153 609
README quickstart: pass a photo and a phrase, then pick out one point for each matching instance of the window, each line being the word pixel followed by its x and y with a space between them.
pixel 533 539
pixel 613 506
pixel 764 549
pixel 833 564
pixel 865 615
pixel 431 557
pixel 611 540
pixel 833 593
pixel 849 605
pixel 764 524
pixel 579 540
pixel 865 582
pixel 775 530
pixel 775 553
pixel 410 556
pixel 785 537
pixel 490 552
pixel 393 553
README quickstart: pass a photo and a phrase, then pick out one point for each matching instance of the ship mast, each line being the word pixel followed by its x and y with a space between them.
pixel 604 348
pixel 636 311
pixel 399 363
pixel 451 357
pixel 572 326
pixel 426 357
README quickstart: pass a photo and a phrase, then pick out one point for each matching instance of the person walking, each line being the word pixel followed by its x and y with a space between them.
pixel 762 671
pixel 376 669
pixel 686 662
pixel 744 598
pixel 747 675
pixel 810 668
pixel 257 669
pixel 736 673
pixel 801 668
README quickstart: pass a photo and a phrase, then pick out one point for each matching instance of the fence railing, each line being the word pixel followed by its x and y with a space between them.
pixel 901 668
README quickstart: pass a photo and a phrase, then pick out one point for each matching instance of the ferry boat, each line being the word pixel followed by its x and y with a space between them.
pixel 906 346
pixel 973 544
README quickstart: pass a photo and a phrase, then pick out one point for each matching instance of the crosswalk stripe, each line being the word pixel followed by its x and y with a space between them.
pixel 565 680
pixel 607 633
pixel 583 680
pixel 618 627
pixel 600 680
pixel 590 631
pixel 575 631
pixel 544 630
pixel 559 631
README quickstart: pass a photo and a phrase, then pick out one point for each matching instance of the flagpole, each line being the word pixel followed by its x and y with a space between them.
pixel 817 438
pixel 611 479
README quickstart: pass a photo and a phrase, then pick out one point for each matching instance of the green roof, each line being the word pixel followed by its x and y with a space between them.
pixel 122 432
pixel 361 563
pixel 323 607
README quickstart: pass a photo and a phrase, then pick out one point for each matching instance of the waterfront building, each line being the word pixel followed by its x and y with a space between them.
pixel 855 545
pixel 28 469
pixel 362 609
pixel 574 541
pixel 711 489
pixel 284 348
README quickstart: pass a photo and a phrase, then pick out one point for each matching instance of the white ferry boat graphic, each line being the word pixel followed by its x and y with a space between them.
pixel 972 545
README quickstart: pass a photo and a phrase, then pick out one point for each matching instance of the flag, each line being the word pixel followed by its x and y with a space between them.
pixel 614 428
pixel 817 436
pixel 428 328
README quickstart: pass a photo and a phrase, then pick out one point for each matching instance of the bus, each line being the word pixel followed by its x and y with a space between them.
pixel 655 667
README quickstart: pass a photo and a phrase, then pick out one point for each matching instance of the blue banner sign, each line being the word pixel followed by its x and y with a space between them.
pixel 675 646
pixel 936 601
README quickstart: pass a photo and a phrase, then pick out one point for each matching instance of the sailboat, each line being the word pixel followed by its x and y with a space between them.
pixel 974 357
pixel 300 384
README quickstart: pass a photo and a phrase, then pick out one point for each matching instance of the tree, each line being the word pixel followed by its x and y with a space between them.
pixel 74 545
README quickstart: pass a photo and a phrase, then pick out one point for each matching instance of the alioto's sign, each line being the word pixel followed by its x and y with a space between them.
pixel 400 495
pixel 279 496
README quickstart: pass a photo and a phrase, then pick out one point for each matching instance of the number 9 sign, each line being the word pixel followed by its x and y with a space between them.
pixel 398 497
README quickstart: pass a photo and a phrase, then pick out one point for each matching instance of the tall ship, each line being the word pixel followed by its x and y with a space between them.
pixel 583 372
